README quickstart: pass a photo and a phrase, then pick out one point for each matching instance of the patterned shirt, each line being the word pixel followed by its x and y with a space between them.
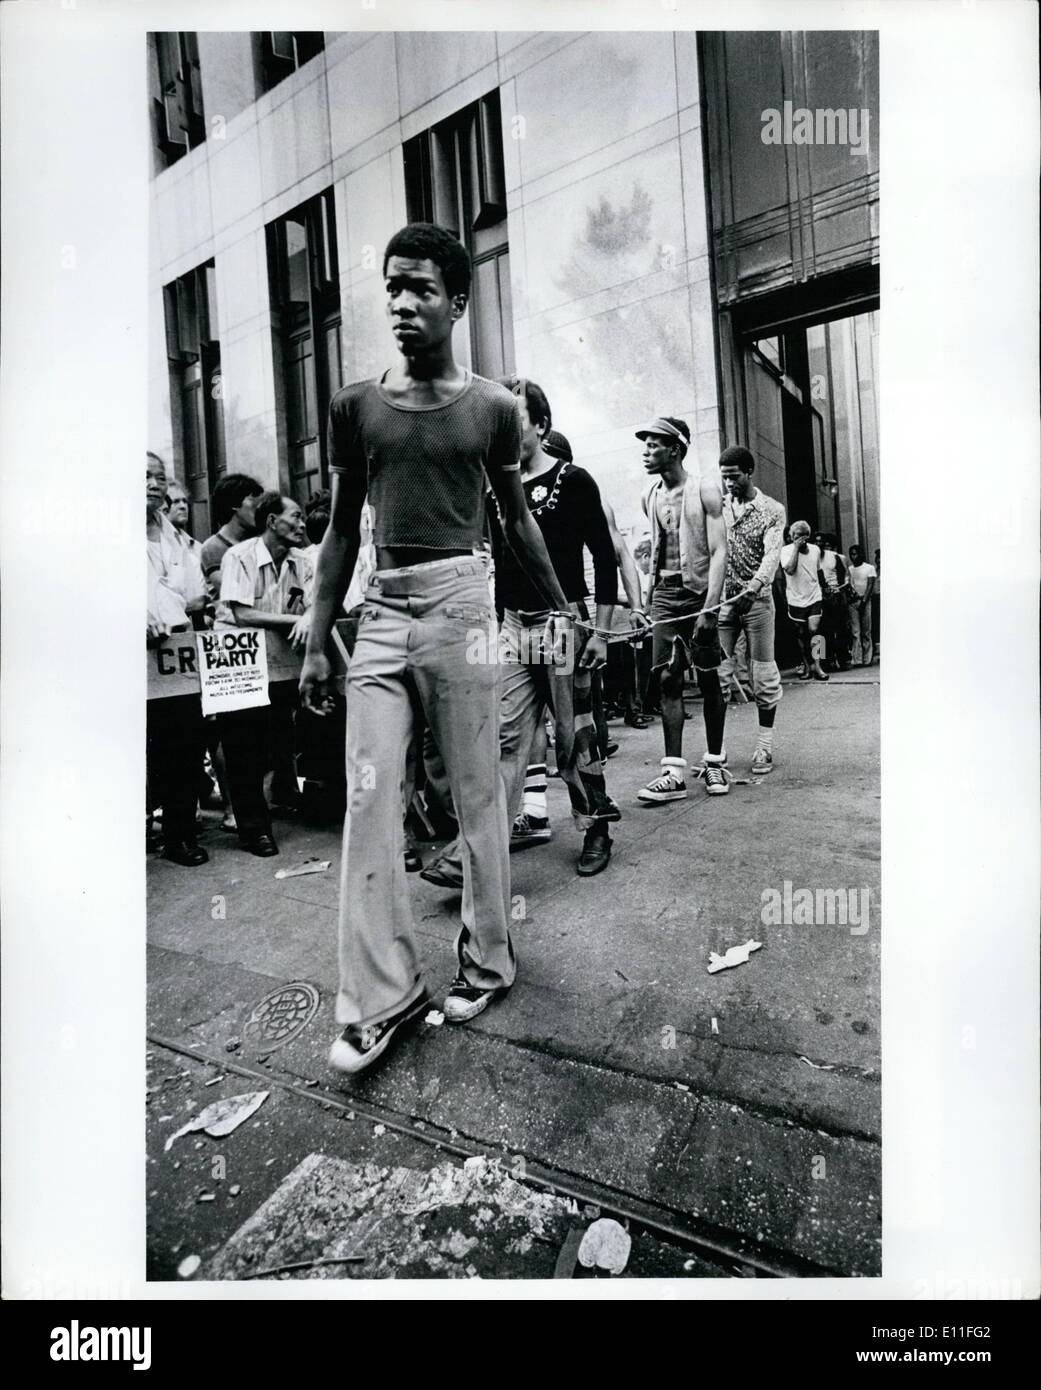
pixel 248 576
pixel 755 534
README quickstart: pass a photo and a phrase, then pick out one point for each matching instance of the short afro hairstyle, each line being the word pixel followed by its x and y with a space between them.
pixel 537 401
pixel 737 456
pixel 229 494
pixel 423 241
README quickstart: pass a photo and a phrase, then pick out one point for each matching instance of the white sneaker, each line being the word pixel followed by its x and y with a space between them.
pixel 762 761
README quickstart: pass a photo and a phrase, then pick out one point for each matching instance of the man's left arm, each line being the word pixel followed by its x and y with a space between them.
pixel 716 535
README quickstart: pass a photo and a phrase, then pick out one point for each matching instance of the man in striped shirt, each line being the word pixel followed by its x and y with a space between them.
pixel 265 583
pixel 755 534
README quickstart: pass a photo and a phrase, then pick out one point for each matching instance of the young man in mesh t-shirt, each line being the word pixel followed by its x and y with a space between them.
pixel 420 442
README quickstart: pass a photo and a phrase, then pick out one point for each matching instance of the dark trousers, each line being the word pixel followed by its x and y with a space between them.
pixel 174 751
pixel 835 625
pixel 255 740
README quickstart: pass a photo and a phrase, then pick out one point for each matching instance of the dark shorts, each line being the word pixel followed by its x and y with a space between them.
pixel 680 608
pixel 812 610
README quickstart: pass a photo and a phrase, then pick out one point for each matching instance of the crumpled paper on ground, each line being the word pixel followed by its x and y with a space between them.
pixel 222 1117
pixel 736 955
pixel 605 1245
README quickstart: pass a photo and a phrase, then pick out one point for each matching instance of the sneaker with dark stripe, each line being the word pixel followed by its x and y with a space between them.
pixel 360 1044
pixel 716 776
pixel 465 1001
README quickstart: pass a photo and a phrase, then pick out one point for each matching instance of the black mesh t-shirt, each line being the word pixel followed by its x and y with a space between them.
pixel 425 467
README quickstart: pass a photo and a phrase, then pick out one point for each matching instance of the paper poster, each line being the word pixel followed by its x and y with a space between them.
pixel 232 670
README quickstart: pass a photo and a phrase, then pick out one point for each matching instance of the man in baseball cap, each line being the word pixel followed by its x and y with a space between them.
pixel 688 563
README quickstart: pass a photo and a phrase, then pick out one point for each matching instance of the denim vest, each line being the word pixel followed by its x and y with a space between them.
pixel 694 553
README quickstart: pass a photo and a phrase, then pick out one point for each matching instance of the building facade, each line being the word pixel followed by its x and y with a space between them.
pixel 585 175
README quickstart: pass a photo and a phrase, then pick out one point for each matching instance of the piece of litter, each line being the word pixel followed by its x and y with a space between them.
pixel 817 1066
pixel 565 1266
pixel 223 1116
pixel 234 1189
pixel 680 1086
pixel 206 1197
pixel 621 976
pixel 309 866
pixel 436 1017
pixel 379 1129
pixel 605 1245
pixel 269 1163
pixel 233 1045
pixel 736 955
pixel 188 1266
pixel 688 1264
pixel 214 1081
pixel 715 1025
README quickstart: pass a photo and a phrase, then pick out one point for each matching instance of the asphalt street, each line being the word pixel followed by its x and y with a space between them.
pixel 729 1121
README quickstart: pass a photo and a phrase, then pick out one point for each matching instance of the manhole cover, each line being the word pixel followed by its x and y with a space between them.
pixel 282 1015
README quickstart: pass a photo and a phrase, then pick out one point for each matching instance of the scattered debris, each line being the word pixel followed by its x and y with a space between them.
pixel 736 955
pixel 309 866
pixel 688 1264
pixel 188 1266
pixel 681 1086
pixel 234 1189
pixel 817 1066
pixel 233 1045
pixel 435 1017
pixel 605 1245
pixel 459 1246
pixel 622 977
pixel 222 1117
pixel 715 1025
pixel 566 1260
pixel 379 1129
pixel 306 1264
pixel 206 1197
pixel 214 1080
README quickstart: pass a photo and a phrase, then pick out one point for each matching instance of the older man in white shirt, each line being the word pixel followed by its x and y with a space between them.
pixel 176 591
pixel 266 583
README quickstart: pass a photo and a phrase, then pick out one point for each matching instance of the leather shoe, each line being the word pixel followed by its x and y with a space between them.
pixel 596 852
pixel 185 852
pixel 263 846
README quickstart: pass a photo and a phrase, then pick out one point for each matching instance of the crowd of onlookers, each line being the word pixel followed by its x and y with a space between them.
pixel 257 570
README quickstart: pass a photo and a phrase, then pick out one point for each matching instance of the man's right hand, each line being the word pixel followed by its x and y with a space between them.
pixel 157 634
pixel 316 686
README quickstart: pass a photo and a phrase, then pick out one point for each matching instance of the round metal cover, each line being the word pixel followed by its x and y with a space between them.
pixel 282 1015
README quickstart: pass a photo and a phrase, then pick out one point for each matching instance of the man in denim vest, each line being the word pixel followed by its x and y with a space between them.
pixel 688 563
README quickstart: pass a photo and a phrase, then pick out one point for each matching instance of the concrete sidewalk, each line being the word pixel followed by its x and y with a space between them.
pixel 745 1103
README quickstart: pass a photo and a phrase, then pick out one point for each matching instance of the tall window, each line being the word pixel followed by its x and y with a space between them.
pixel 278 55
pixel 193 350
pixel 454 176
pixel 178 124
pixel 305 304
